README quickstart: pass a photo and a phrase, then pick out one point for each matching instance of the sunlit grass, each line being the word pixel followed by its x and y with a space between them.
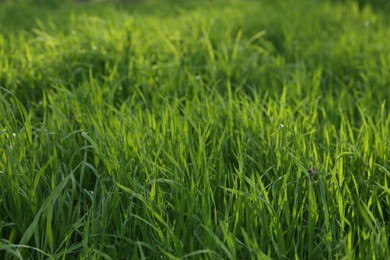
pixel 228 130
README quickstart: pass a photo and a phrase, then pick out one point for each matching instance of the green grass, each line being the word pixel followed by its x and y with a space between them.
pixel 186 131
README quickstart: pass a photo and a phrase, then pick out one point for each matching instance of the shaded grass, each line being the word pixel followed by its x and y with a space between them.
pixel 188 133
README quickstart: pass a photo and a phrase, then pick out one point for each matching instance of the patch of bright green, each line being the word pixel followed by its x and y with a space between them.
pixel 188 130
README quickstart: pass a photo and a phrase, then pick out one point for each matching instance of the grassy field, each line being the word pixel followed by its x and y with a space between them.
pixel 199 130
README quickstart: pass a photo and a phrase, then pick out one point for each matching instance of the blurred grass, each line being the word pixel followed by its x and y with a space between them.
pixel 186 130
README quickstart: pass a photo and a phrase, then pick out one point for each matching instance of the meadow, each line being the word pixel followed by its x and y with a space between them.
pixel 195 130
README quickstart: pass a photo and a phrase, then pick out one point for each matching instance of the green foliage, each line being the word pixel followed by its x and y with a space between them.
pixel 216 130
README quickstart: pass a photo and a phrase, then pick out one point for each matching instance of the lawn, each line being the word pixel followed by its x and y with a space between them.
pixel 231 129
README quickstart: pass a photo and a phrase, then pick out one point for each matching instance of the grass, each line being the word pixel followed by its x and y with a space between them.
pixel 187 131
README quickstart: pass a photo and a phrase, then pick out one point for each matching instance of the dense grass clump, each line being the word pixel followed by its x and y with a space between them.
pixel 215 130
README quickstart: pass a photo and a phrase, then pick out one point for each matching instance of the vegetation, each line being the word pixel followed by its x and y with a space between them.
pixel 215 130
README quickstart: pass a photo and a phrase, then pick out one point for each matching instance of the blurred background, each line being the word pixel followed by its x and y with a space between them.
pixel 380 5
